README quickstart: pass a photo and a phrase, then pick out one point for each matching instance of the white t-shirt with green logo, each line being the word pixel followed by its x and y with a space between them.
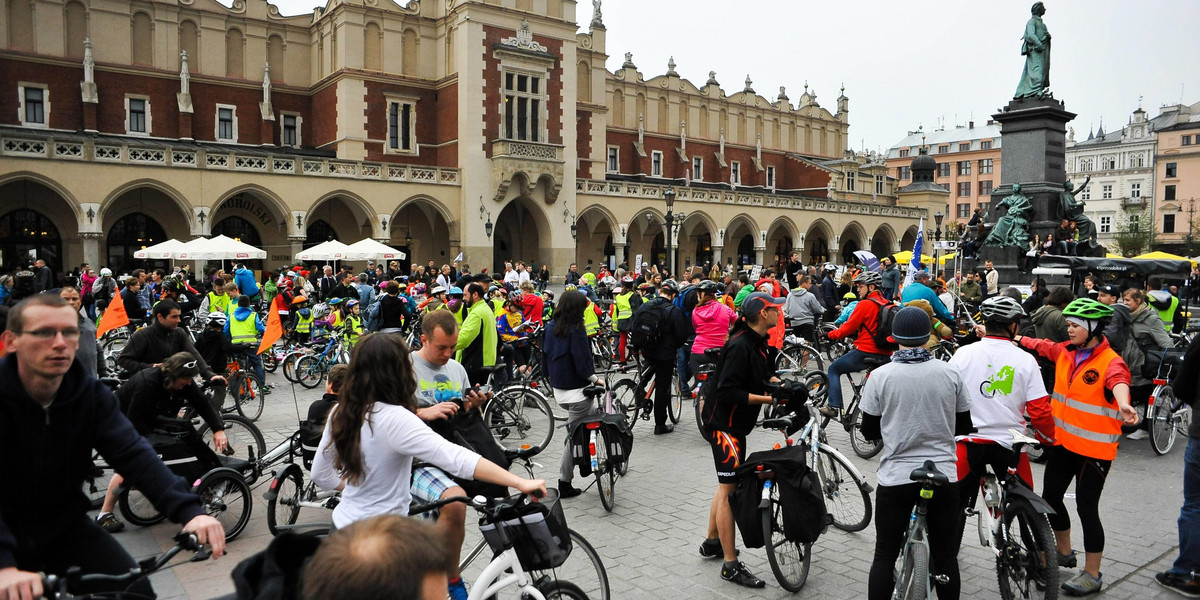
pixel 1001 378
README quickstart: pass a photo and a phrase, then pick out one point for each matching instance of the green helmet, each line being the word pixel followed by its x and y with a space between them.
pixel 1086 308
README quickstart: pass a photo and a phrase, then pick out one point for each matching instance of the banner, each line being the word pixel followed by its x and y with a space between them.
pixel 868 260
pixel 274 331
pixel 458 258
pixel 113 317
pixel 915 264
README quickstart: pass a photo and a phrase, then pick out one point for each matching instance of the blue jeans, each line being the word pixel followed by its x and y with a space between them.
pixel 850 362
pixel 683 364
pixel 1067 248
pixel 1189 516
pixel 253 360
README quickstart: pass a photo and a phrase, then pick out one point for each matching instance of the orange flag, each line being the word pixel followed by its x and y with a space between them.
pixel 274 331
pixel 113 318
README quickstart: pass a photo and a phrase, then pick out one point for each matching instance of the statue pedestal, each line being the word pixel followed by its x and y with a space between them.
pixel 1008 261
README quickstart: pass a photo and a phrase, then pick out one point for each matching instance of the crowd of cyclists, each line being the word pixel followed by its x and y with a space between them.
pixel 1074 369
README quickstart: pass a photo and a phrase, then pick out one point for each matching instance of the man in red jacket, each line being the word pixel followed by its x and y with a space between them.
pixel 861 324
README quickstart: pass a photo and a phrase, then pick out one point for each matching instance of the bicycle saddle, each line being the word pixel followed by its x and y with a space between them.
pixel 522 453
pixel 593 390
pixel 928 473
pixel 713 353
pixel 237 464
pixel 875 360
pixel 496 368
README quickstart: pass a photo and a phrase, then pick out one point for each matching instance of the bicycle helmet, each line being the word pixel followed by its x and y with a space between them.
pixel 627 279
pixel 670 286
pixel 1001 309
pixel 869 278
pixel 419 288
pixel 351 303
pixel 299 300
pixel 437 289
pixel 830 267
pixel 549 295
pixel 454 291
pixel 334 301
pixel 320 311
pixel 291 273
pixel 106 272
pixel 707 287
pixel 216 318
pixel 515 297
pixel 570 287
pixel 1086 308
pixel 173 285
pixel 849 296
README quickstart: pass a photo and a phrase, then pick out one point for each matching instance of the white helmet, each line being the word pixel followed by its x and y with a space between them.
pixel 106 272
pixel 320 311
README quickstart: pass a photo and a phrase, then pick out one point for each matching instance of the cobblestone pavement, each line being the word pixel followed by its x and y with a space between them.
pixel 649 542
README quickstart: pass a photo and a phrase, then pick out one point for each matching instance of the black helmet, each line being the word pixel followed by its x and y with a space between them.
pixel 670 286
pixel 707 286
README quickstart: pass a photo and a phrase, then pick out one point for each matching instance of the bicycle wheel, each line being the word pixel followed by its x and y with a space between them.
pixel 112 348
pixel 248 396
pixel 863 447
pixel 583 568
pixel 818 387
pixel 137 508
pixel 225 496
pixel 242 434
pixel 289 366
pixel 675 405
pixel 789 560
pixel 1161 418
pixel 625 394
pixel 913 583
pixel 519 416
pixel 1028 559
pixel 309 371
pixel 559 588
pixel 284 508
pixel 606 473
pixel 846 496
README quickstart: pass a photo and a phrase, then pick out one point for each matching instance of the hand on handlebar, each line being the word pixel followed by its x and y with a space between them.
pixel 218 380
pixel 221 441
pixel 535 488
pixel 208 531
pixel 16 584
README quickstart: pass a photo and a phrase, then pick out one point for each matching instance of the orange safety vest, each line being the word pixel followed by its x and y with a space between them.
pixel 1086 417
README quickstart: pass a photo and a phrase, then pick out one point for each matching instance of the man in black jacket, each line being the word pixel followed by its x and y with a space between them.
pixel 673 333
pixel 133 306
pixel 149 346
pixel 51 417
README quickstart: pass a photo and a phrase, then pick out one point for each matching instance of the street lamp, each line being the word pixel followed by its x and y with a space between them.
pixel 669 196
pixel 937 239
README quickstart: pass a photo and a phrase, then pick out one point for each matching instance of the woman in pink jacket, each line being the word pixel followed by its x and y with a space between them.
pixel 711 321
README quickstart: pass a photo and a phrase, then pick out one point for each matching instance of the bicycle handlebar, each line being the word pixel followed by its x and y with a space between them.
pixel 56 586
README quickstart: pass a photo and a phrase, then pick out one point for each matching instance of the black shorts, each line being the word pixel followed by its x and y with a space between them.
pixel 729 450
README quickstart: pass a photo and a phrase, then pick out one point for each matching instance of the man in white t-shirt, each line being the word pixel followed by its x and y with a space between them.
pixel 1005 383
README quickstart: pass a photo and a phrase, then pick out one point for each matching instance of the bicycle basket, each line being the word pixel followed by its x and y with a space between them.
pixel 536 530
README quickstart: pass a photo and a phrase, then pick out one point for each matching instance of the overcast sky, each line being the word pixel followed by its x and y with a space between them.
pixel 906 64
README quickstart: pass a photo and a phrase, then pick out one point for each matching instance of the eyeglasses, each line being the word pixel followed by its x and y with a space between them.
pixel 49 334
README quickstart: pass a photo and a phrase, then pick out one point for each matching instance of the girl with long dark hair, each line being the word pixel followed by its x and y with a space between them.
pixel 567 359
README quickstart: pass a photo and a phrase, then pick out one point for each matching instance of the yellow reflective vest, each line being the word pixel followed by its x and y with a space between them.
pixel 591 322
pixel 304 324
pixel 622 308
pixel 218 303
pixel 243 332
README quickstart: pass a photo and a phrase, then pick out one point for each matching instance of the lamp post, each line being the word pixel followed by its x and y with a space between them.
pixel 937 239
pixel 669 196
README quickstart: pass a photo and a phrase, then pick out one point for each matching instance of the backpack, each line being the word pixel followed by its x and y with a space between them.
pixel 883 326
pixel 649 324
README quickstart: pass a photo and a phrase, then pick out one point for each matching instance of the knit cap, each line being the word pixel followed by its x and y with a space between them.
pixel 911 327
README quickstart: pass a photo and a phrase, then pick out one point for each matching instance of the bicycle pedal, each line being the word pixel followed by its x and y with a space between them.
pixel 942 579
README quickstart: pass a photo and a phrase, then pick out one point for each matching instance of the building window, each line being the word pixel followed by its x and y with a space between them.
pixel 771 177
pixel 905 173
pixel 524 99
pixel 227 130
pixel 1135 190
pixel 1134 222
pixel 137 115
pixel 35 104
pixel 614 154
pixel 944 148
pixel 289 132
pixel 1139 160
pixel 735 173
pixel 1169 192
pixel 985 188
pixel 964 147
pixel 401 133
pixel 1106 192
pixel 985 145
pixel 964 167
pixel 1085 164
pixel 697 168
pixel 1187 140
pixel 903 152
pixel 1170 169
pixel 1086 194
pixel 964 189
pixel 1108 163
pixel 943 169
pixel 986 166
pixel 879 184
pixel 851 181
pixel 1168 223
pixel 1105 224
pixel 656 165
pixel 964 211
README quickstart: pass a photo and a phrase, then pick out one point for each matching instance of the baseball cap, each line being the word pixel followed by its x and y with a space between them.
pixel 1111 289
pixel 756 302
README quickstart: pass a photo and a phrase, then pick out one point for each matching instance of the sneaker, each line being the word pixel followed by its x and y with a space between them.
pixel 711 548
pixel 739 574
pixel 110 523
pixel 1181 584
pixel 1067 561
pixel 664 428
pixel 1083 584
pixel 1138 435
pixel 456 589
pixel 566 490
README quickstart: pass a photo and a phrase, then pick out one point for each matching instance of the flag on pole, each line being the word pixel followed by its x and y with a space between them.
pixel 458 258
pixel 869 261
pixel 274 332
pixel 915 264
pixel 113 317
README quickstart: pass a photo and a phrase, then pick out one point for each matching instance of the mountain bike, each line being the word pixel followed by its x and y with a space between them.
pixel 914 580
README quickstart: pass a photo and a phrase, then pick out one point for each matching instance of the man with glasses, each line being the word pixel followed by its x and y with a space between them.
pixel 149 346
pixel 51 417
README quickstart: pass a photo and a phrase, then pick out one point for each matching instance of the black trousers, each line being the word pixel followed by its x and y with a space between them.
pixel 664 370
pixel 1089 474
pixel 893 507
pixel 85 545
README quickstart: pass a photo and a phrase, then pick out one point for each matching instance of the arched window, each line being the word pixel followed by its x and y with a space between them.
pixel 20 25
pixel 128 235
pixel 275 58
pixel 238 229
pixel 319 232
pixel 189 38
pixel 234 64
pixel 372 47
pixel 25 235
pixel 745 250
pixel 409 53
pixel 142 39
pixel 75 17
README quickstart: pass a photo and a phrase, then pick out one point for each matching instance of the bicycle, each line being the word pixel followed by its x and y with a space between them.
pixel 790 560
pixel 1024 563
pixel 1167 415
pixel 914 580
pixel 638 399
pixel 608 442
pixel 246 389
pixel 310 369
pixel 518 414
pixel 58 587
pixel 851 417
pixel 288 492
pixel 847 494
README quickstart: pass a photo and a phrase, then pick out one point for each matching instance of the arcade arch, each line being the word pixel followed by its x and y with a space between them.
pixel 422 227
pixel 37 222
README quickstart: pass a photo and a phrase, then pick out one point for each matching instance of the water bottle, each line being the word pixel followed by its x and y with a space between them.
pixel 592 447
pixel 991 497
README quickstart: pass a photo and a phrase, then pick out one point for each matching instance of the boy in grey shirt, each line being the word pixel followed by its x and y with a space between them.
pixel 916 405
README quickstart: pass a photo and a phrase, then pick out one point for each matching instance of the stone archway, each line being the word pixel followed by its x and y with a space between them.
pixel 137 217
pixel 742 242
pixel 883 242
pixel 818 242
pixel 261 215
pixel 37 222
pixel 779 246
pixel 909 239
pixel 853 239
pixel 522 233
pixel 697 240
pixel 424 228
pixel 596 231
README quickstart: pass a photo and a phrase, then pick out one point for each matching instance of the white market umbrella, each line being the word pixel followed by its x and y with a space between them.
pixel 331 250
pixel 369 249
pixel 163 250
pixel 219 248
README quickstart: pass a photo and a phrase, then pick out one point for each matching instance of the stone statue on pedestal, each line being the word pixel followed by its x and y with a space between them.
pixel 1012 229
pixel 1035 47
pixel 1071 209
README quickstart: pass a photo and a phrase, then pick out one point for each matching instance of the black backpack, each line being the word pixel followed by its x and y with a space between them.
pixel 883 326
pixel 649 324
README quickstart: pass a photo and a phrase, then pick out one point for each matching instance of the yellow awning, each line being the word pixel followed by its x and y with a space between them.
pixel 905 257
pixel 1158 255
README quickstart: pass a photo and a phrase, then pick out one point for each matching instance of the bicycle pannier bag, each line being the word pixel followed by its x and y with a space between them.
pixel 537 530
pixel 744 503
